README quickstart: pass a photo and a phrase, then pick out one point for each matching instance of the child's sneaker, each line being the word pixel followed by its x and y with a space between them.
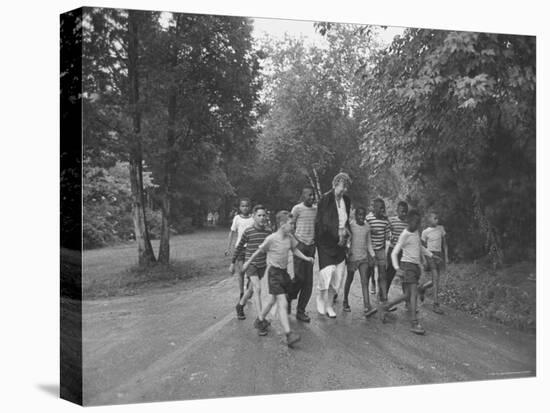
pixel 369 311
pixel 257 323
pixel 240 312
pixel 303 317
pixel 262 327
pixel 346 307
pixel 416 328
pixel 382 312
pixel 421 293
pixel 292 338
pixel 436 309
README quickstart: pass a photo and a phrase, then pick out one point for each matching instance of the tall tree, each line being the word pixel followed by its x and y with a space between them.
pixel 455 111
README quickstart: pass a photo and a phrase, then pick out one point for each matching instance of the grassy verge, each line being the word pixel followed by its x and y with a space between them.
pixel 507 295
pixel 196 259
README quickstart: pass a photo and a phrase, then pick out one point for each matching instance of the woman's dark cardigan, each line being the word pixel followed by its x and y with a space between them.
pixel 326 230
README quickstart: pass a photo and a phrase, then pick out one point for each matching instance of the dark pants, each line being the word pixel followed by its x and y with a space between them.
pixel 390 271
pixel 303 278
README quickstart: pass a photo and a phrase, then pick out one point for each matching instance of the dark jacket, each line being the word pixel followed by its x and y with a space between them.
pixel 326 230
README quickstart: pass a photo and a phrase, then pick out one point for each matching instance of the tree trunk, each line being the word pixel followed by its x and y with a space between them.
pixel 169 167
pixel 317 184
pixel 170 160
pixel 146 255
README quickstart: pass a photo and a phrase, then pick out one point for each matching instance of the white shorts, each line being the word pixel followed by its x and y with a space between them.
pixel 332 276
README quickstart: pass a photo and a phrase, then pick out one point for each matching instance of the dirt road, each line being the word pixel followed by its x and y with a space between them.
pixel 187 343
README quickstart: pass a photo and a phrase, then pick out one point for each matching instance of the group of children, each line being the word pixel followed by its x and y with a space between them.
pixel 394 246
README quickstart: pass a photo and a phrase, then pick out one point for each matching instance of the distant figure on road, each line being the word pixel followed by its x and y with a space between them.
pixel 210 218
pixel 331 234
pixel 216 218
pixel 241 221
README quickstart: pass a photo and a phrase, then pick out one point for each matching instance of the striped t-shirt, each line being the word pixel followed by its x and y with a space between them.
pixel 379 231
pixel 396 227
pixel 305 223
pixel 251 239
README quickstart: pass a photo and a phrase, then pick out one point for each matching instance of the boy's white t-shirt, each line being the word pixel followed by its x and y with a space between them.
pixel 240 224
pixel 433 237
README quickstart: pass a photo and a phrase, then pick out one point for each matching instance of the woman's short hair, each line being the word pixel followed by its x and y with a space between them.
pixel 341 177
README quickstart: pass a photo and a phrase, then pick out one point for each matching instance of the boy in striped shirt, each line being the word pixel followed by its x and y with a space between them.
pixel 380 233
pixel 408 268
pixel 251 239
pixel 397 224
pixel 304 215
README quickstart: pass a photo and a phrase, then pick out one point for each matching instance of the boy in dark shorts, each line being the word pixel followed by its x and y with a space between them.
pixel 304 215
pixel 251 239
pixel 433 238
pixel 380 234
pixel 277 247
pixel 360 255
pixel 408 269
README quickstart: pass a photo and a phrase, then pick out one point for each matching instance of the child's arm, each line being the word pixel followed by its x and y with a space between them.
pixel 370 249
pixel 424 239
pixel 395 253
pixel 445 249
pixel 238 250
pixel 230 241
pixel 300 254
pixel 252 257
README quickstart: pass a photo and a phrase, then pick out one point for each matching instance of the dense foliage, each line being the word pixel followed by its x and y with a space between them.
pixel 444 120
pixel 455 113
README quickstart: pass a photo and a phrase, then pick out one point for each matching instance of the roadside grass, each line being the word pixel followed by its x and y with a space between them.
pixel 113 271
pixel 507 295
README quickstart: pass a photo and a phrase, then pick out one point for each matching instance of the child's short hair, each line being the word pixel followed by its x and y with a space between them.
pixel 413 213
pixel 360 208
pixel 403 204
pixel 244 198
pixel 379 201
pixel 282 217
pixel 308 188
pixel 257 208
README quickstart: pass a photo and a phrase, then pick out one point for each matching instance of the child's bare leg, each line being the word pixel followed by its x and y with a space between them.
pixel 347 285
pixel 283 316
pixel 240 276
pixel 413 293
pixel 382 283
pixel 247 294
pixel 267 308
pixel 435 278
pixel 255 286
pixel 363 269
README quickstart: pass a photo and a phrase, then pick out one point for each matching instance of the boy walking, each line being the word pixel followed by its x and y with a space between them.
pixel 252 238
pixel 380 233
pixel 408 269
pixel 397 224
pixel 360 255
pixel 241 221
pixel 277 247
pixel 433 238
pixel 304 215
